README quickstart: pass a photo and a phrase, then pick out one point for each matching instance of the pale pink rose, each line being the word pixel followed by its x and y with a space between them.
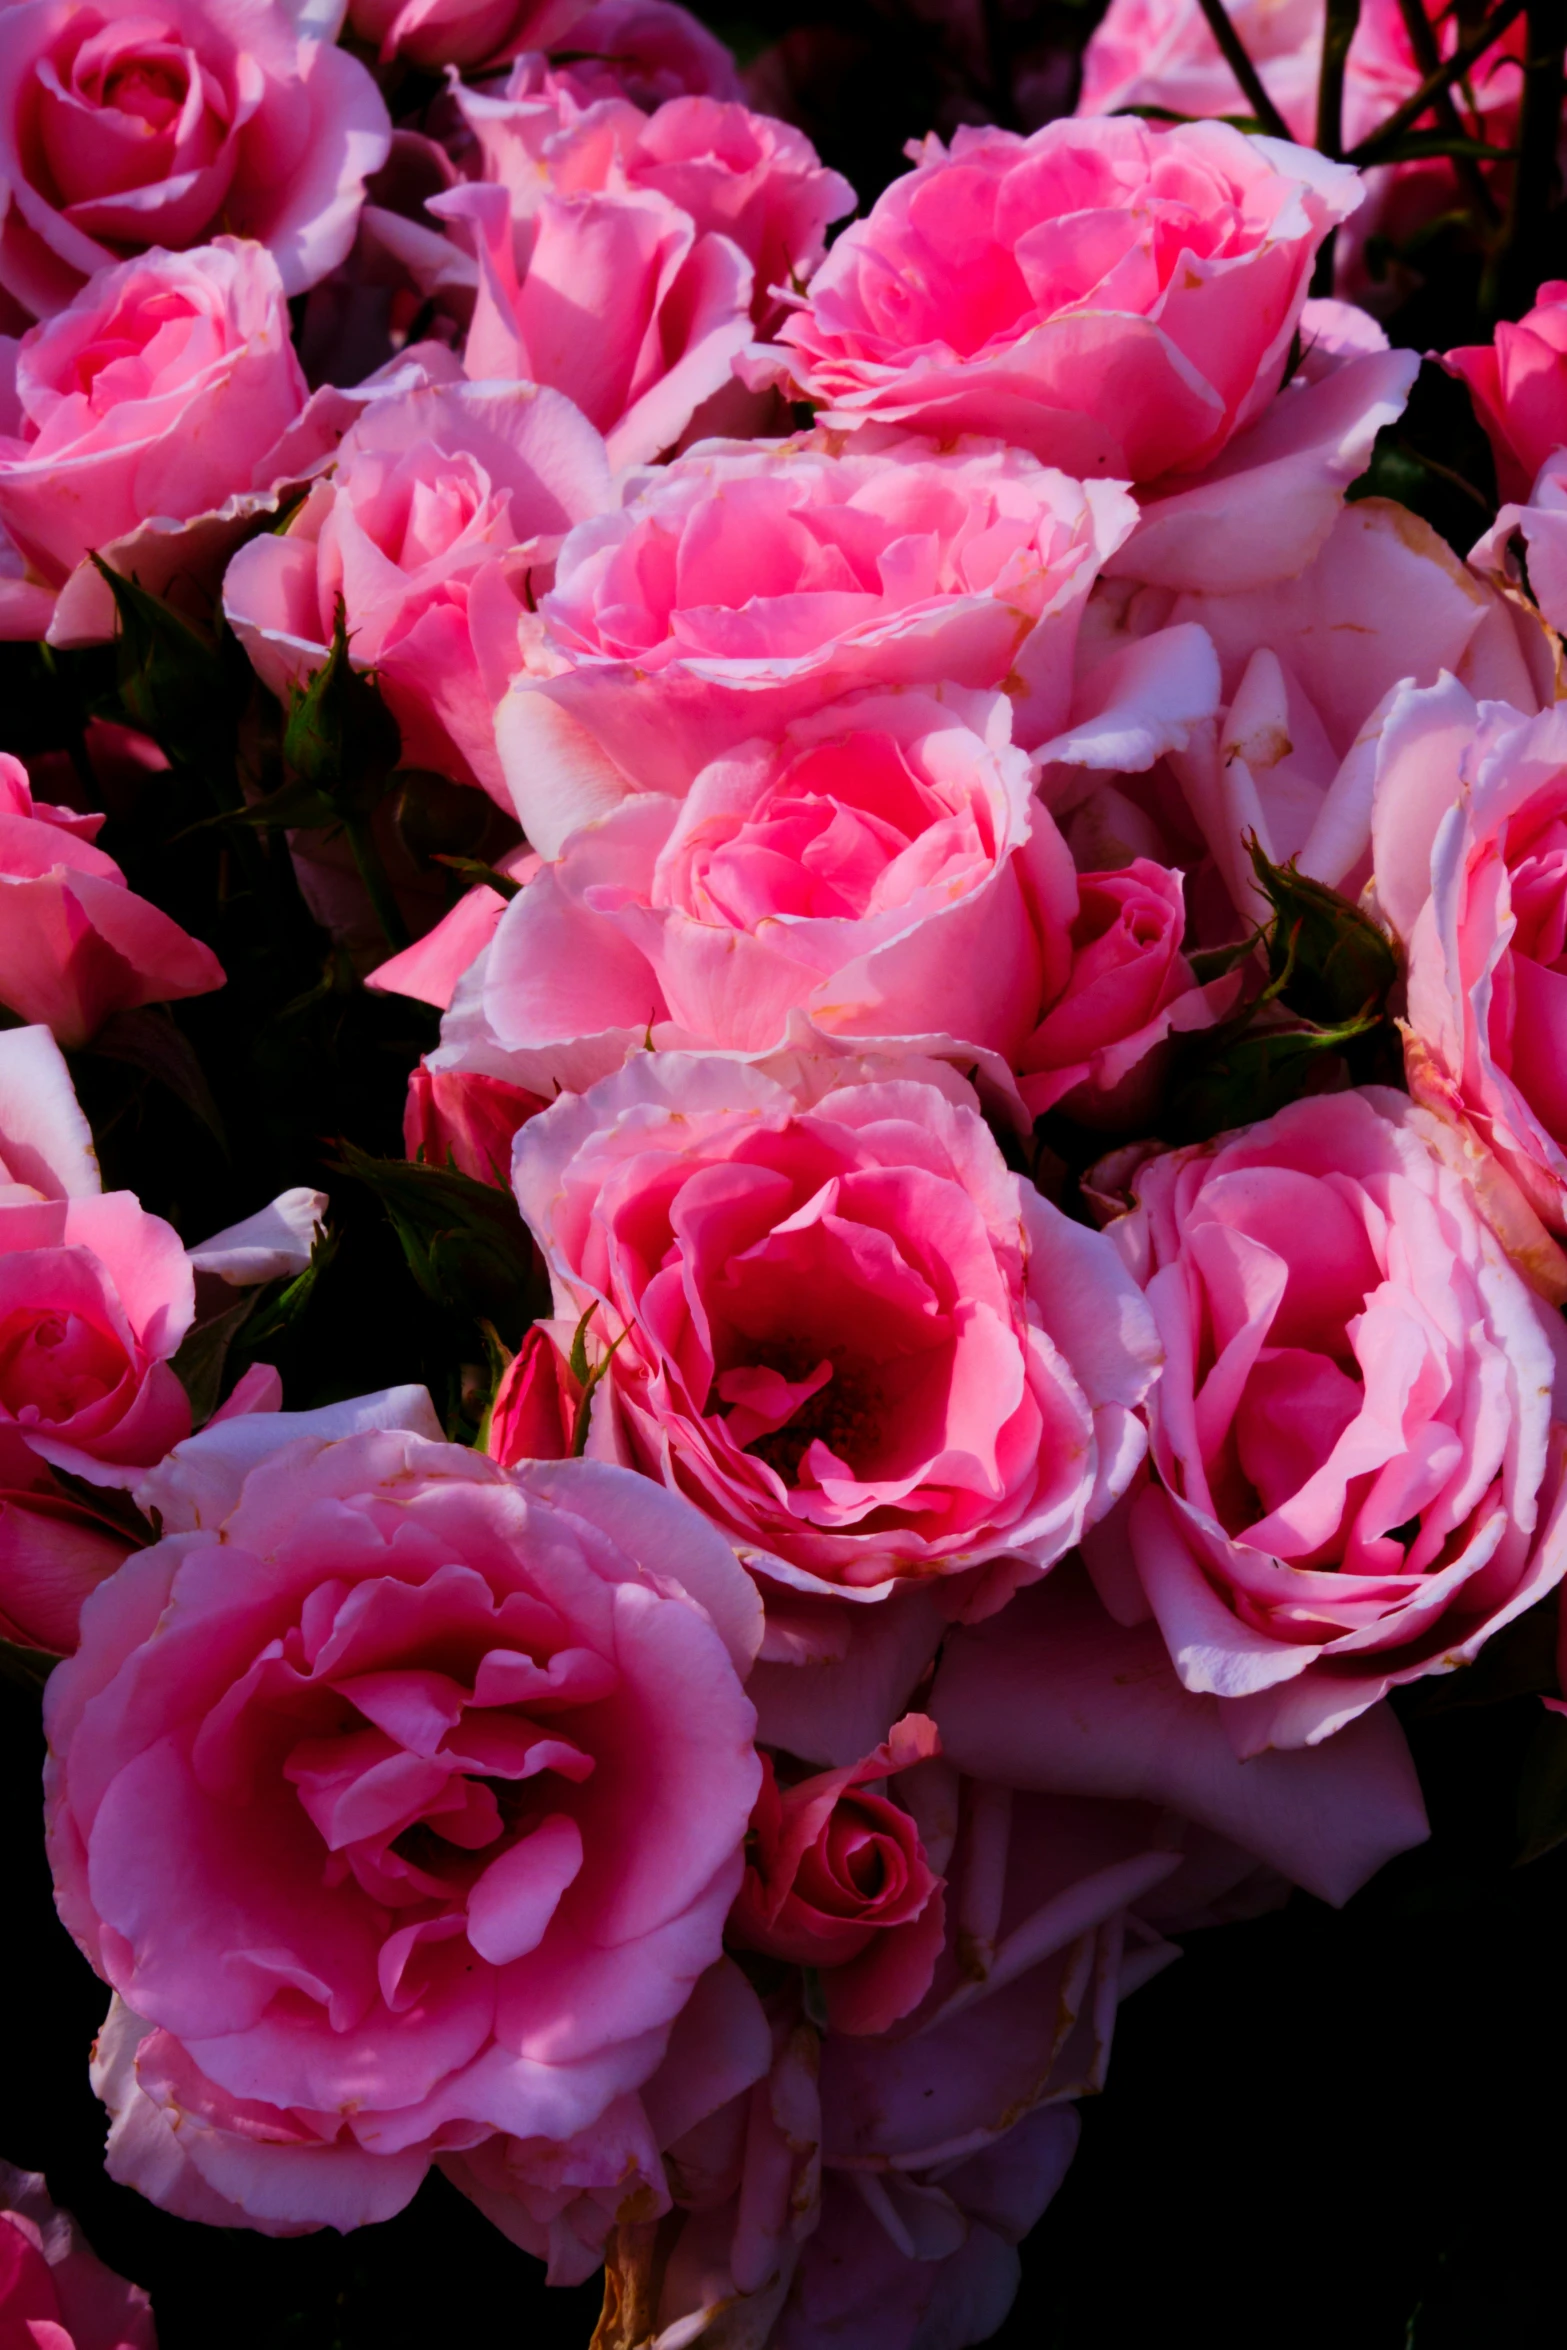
pixel 460 1759
pixel 833 1317
pixel 1307 665
pixel 126 124
pixel 55 2293
pixel 465 1120
pixel 1119 299
pixel 431 968
pixel 1061 1697
pixel 46 1144
pixel 533 1415
pixel 666 234
pixel 1362 1424
pixel 837 1879
pixel 1539 528
pixel 884 869
pixel 1518 383
pixel 75 943
pixel 1469 833
pixel 743 586
pixel 440 504
pixel 147 421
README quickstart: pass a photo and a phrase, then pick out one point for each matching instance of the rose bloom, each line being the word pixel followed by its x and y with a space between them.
pixel 466 1120
pixel 1359 1432
pixel 744 176
pixel 745 585
pixel 863 1345
pixel 884 868
pixel 1469 831
pixel 1518 383
pixel 440 503
pixel 145 424
pixel 426 1816
pixel 133 123
pixel 1118 299
pixel 75 943
pixel 55 2294
pixel 837 1879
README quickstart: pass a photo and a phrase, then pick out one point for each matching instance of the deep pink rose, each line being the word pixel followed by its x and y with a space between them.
pixel 534 1412
pixel 1518 383
pixel 1359 1435
pixel 55 2293
pixel 864 1346
pixel 75 943
pixel 837 1879
pixel 424 1821
pixel 1469 835
pixel 146 428
pixel 440 503
pixel 744 586
pixel 462 32
pixel 883 868
pixel 1119 299
pixel 126 124
pixel 465 1120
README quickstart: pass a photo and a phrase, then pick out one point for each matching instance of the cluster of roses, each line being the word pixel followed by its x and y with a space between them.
pixel 715 1820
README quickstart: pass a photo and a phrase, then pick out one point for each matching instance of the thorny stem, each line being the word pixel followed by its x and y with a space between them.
pixel 1235 57
pixel 1338 31
pixel 1452 69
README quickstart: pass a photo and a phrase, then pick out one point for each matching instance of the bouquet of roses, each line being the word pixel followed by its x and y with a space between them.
pixel 856 937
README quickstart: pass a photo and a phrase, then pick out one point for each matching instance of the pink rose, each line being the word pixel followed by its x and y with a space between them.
pixel 465 1120
pixel 431 33
pixel 868 1350
pixel 457 1759
pixel 440 503
pixel 124 125
pixel 1539 529
pixel 895 565
pixel 55 2294
pixel 1469 831
pixel 837 1879
pixel 617 257
pixel 1359 1435
pixel 650 51
pixel 883 868
pixel 1118 299
pixel 1518 383
pixel 75 943
pixel 148 417
pixel 532 1417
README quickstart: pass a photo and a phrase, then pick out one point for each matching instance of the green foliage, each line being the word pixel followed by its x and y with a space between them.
pixel 464 1242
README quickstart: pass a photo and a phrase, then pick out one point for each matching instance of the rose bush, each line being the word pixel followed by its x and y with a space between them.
pixel 440 504
pixel 124 126
pixel 487 1737
pixel 1118 299
pixel 741 587
pixel 1361 1429
pixel 838 1322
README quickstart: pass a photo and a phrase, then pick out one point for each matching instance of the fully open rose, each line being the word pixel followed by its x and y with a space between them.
pixel 1119 299
pixel 842 1325
pixel 125 125
pixel 885 868
pixel 401 1799
pixel 744 586
pixel 1359 1435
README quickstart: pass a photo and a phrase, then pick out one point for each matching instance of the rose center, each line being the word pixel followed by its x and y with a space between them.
pixel 54 1365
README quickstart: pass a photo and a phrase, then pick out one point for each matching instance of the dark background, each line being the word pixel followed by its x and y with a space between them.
pixel 1323 2128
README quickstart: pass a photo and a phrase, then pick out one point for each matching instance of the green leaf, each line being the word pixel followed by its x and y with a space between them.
pixel 1542 1791
pixel 28 1668
pixel 184 689
pixel 199 1364
pixel 465 1243
pixel 1329 963
pixel 474 869
pixel 280 1304
pixel 339 737
pixel 1255 1074
pixel 149 1039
